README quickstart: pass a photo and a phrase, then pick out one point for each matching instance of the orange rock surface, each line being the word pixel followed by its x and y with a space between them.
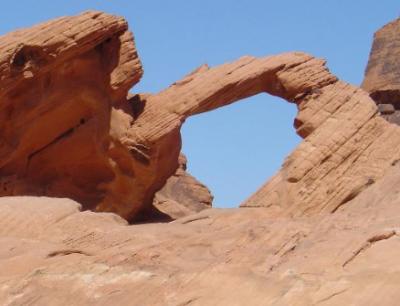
pixel 240 256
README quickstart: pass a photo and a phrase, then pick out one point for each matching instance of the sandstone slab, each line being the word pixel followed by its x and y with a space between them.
pixel 217 257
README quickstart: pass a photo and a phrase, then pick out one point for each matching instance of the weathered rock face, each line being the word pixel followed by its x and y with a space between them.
pixel 382 76
pixel 61 85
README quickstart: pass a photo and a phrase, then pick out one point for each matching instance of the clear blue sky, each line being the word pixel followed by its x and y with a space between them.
pixel 235 149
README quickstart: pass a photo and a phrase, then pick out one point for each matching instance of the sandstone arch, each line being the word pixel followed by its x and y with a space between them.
pixel 346 142
pixel 112 154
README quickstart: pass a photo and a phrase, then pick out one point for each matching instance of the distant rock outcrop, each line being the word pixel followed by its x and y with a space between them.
pixel 382 76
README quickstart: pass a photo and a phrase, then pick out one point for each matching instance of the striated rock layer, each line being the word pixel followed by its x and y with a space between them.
pixel 382 76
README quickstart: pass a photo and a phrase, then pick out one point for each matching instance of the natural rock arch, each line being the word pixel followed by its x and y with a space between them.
pixel 343 150
pixel 132 145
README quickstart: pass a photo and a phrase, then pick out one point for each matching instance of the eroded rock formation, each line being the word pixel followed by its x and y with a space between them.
pixel 65 116
pixel 382 76
pixel 69 130
pixel 61 83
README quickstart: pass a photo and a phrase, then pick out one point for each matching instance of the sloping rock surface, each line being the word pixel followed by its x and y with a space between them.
pixel 217 257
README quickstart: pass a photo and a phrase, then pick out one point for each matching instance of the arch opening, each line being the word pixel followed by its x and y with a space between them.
pixel 233 150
